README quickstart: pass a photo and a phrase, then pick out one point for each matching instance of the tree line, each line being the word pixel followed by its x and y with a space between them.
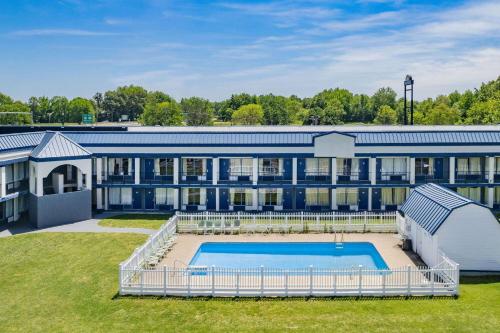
pixel 329 107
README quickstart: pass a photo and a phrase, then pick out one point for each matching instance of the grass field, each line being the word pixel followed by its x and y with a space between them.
pixel 149 221
pixel 62 282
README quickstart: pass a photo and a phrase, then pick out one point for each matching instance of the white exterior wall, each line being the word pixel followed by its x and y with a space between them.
pixel 423 243
pixel 471 237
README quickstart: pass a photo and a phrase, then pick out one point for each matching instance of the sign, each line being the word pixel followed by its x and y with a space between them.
pixel 87 119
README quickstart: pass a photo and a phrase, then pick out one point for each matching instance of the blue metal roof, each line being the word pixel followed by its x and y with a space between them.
pixel 430 205
pixel 55 145
pixel 193 138
pixel 428 138
pixel 20 141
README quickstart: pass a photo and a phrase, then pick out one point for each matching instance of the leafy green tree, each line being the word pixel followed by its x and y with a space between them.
pixel 314 116
pixel 14 119
pixel 40 108
pixel 361 109
pixel 98 98
pixel 238 100
pixel 250 114
pixel 383 96
pixel 333 114
pixel 275 110
pixel 222 111
pixel 295 110
pixel 163 114
pixel 4 99
pixel 79 106
pixel 386 116
pixel 127 100
pixel 158 97
pixel 484 113
pixel 197 111
pixel 442 114
pixel 59 109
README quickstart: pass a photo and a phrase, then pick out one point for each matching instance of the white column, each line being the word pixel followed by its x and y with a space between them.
pixel 98 198
pixel 137 170
pixel 3 184
pixel 412 170
pixel 15 208
pixel 491 169
pixel 333 199
pixel 79 179
pixel 370 198
pixel 176 173
pixel 98 170
pixel 106 167
pixel 373 170
pixel 255 198
pixel 105 198
pixel 58 182
pixel 176 198
pixel 491 196
pixel 334 170
pixel 39 184
pixel 215 172
pixel 294 171
pixel 69 170
pixel 452 170
pixel 255 170
pixel 217 199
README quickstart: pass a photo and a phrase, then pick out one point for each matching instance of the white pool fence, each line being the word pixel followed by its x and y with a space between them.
pixel 135 278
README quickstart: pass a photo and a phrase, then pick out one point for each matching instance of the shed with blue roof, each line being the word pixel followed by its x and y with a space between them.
pixel 438 219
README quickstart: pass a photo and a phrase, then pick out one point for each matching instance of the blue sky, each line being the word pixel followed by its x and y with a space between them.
pixel 215 48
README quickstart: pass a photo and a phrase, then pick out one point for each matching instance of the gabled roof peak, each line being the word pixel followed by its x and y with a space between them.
pixel 55 145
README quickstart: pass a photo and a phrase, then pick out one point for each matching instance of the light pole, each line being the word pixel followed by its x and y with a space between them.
pixel 408 86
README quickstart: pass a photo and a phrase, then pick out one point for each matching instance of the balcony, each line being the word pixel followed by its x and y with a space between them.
pixel 118 178
pixel 393 177
pixel 422 179
pixel 317 176
pixel 196 177
pixel 354 177
pixel 471 177
pixel 273 175
pixel 151 178
pixel 238 174
pixel 17 186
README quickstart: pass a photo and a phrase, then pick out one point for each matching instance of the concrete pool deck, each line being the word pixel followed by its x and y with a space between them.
pixel 387 245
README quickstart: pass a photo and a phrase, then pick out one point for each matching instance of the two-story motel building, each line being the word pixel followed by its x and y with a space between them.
pixel 61 176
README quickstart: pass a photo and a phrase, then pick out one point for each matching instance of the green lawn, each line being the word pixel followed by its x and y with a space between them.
pixel 149 221
pixel 61 282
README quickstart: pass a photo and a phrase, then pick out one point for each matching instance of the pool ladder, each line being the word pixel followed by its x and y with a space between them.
pixel 340 243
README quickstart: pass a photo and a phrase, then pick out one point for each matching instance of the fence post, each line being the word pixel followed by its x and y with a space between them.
pixel 213 280
pixel 286 283
pixel 384 275
pixel 409 280
pixel 142 281
pixel 238 283
pixel 334 283
pixel 261 281
pixel 189 283
pixel 302 219
pixel 432 281
pixel 360 279
pixel 164 280
pixel 311 280
pixel 120 277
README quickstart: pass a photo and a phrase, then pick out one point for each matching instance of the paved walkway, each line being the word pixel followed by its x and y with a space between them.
pixel 83 226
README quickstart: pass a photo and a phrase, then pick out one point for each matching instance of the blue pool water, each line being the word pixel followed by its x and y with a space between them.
pixel 288 255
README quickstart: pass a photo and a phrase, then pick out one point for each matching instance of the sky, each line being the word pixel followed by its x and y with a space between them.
pixel 213 49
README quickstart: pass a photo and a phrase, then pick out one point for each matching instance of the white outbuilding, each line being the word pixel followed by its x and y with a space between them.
pixel 438 219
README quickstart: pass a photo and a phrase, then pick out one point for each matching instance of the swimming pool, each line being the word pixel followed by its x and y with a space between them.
pixel 288 255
